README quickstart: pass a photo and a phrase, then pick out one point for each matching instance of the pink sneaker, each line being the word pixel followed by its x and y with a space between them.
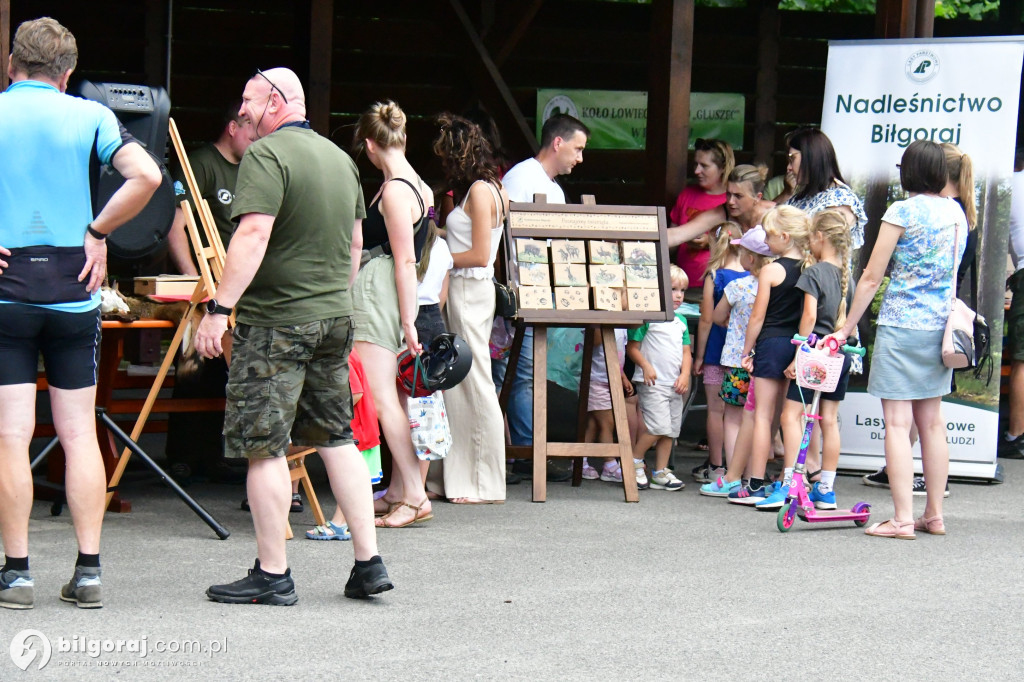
pixel 611 473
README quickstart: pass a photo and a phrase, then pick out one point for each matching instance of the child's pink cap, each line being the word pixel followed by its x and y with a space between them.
pixel 753 240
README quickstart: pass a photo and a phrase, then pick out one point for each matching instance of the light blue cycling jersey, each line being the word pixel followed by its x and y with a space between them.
pixel 47 140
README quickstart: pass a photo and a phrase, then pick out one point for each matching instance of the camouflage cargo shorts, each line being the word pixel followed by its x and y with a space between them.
pixel 288 385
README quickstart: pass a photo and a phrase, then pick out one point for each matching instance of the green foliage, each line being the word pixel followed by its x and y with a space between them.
pixel 966 9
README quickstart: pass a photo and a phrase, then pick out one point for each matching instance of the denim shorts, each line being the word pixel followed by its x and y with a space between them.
pixel 288 385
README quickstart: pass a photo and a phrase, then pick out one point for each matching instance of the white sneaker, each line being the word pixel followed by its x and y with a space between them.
pixel 641 475
pixel 666 480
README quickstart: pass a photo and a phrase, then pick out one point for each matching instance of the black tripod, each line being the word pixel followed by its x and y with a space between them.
pixel 101 415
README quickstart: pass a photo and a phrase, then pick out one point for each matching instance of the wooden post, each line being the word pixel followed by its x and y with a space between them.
pixel 896 18
pixel 767 80
pixel 924 27
pixel 5 40
pixel 321 49
pixel 668 100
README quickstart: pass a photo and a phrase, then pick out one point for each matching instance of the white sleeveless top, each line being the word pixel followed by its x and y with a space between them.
pixel 460 235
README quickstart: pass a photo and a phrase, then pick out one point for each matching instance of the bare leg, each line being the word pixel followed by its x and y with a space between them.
pixel 898 457
pixel 406 479
pixel 1016 399
pixel 350 483
pixel 716 428
pixel 768 391
pixel 17 419
pixel 662 451
pixel 268 486
pixel 830 439
pixel 741 453
pixel 731 419
pixel 85 479
pixel 792 431
pixel 934 452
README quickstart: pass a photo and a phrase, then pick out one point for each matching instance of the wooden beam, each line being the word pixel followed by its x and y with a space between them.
pixel 155 55
pixel 895 18
pixel 668 100
pixel 5 40
pixel 924 27
pixel 768 23
pixel 321 53
pixel 491 86
pixel 512 38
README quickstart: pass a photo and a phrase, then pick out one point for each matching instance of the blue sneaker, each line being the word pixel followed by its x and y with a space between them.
pixel 720 488
pixel 822 500
pixel 778 494
pixel 748 496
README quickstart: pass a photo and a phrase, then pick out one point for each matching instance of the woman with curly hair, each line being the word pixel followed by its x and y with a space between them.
pixel 474 471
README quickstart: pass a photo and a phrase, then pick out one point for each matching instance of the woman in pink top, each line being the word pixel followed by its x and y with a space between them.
pixel 713 161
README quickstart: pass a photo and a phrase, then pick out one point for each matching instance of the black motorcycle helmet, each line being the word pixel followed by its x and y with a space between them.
pixel 443 364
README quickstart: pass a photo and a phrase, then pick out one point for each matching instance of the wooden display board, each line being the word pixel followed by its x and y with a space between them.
pixel 560 257
pixel 573 246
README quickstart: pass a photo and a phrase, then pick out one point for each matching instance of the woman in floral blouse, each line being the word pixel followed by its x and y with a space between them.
pixel 924 237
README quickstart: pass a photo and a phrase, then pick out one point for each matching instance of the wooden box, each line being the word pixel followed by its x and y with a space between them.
pixel 639 253
pixel 646 300
pixel 534 275
pixel 531 251
pixel 568 251
pixel 604 253
pixel 535 298
pixel 570 274
pixel 166 285
pixel 606 276
pixel 607 298
pixel 641 276
pixel 572 298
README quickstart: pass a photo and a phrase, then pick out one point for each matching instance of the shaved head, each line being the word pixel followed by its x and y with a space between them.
pixel 287 83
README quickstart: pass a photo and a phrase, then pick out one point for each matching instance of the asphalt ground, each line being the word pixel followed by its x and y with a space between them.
pixel 583 586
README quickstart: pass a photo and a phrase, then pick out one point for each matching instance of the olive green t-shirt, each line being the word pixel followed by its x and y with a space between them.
pixel 312 189
pixel 216 178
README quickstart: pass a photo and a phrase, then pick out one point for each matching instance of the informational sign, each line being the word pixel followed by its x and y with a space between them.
pixel 717 115
pixel 618 119
pixel 881 95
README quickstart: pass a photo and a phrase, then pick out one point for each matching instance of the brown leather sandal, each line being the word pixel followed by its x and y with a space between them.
pixel 384 521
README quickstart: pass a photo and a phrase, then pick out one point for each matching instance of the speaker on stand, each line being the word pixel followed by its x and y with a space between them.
pixel 144 112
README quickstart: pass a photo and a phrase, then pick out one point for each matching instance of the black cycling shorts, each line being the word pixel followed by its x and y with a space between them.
pixel 68 341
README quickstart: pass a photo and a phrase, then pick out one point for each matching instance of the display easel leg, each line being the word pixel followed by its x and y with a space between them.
pixel 540 414
pixel 589 335
pixel 619 413
pixel 102 415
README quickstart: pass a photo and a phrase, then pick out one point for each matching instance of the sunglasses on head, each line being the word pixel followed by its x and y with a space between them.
pixel 272 86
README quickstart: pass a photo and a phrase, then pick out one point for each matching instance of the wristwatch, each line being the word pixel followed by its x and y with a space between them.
pixel 214 308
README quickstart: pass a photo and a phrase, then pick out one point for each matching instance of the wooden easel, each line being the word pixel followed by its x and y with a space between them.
pixel 540 220
pixel 211 268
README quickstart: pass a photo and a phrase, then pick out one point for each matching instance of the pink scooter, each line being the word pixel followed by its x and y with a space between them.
pixel 818 371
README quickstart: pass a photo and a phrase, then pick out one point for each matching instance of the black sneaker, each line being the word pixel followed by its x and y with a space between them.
pixel 1011 449
pixel 364 581
pixel 85 588
pixel 695 471
pixel 256 588
pixel 921 490
pixel 556 473
pixel 17 591
pixel 879 479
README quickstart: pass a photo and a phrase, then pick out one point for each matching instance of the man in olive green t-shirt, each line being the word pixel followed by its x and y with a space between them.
pixel 287 272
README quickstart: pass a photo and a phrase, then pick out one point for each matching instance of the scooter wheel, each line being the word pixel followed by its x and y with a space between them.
pixel 784 519
pixel 861 508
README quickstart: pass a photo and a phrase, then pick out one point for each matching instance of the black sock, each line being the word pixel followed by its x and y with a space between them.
pixel 755 483
pixel 369 562
pixel 88 560
pixel 15 563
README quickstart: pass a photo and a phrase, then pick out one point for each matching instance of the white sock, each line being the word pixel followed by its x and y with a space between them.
pixel 828 479
pixel 787 476
pixel 1008 437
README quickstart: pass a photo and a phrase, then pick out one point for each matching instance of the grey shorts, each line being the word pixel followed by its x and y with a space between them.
pixel 662 409
pixel 906 364
pixel 288 385
pixel 375 301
